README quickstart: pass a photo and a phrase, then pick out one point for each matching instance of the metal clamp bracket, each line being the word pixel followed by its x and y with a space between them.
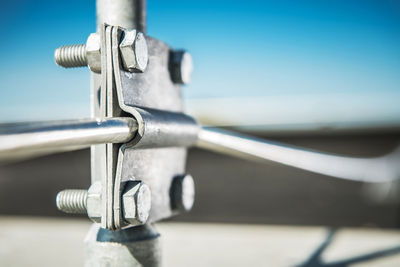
pixel 157 154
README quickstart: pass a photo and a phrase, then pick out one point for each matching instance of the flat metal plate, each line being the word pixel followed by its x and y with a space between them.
pixel 157 167
pixel 118 92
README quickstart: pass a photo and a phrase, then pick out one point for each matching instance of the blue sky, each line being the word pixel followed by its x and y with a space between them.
pixel 240 48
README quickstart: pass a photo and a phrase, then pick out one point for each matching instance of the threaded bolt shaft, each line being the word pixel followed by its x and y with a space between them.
pixel 71 56
pixel 72 201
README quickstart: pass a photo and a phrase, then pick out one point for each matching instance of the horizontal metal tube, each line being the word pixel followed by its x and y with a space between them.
pixel 160 128
pixel 380 169
pixel 22 140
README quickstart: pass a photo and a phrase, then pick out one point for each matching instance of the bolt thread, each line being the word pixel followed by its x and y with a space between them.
pixel 71 56
pixel 72 201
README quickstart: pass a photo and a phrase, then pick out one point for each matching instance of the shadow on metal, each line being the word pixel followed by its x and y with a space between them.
pixel 137 246
pixel 315 260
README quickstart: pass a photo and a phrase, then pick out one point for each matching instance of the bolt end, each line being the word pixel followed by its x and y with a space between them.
pixel 71 56
pixel 183 193
pixel 181 67
pixel 72 201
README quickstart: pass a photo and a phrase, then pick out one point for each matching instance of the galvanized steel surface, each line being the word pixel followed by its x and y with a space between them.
pixel 135 246
pixel 164 131
pixel 129 14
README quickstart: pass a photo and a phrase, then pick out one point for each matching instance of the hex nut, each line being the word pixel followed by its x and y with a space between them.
pixel 181 67
pixel 183 193
pixel 94 202
pixel 134 52
pixel 136 202
pixel 93 52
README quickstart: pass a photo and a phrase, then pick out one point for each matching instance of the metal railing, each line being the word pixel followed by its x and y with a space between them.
pixel 23 140
pixel 379 169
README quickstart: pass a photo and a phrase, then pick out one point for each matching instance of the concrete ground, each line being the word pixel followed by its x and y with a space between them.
pixel 32 241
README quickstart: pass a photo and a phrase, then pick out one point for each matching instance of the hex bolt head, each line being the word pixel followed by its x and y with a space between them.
pixel 93 52
pixel 134 52
pixel 182 193
pixel 136 202
pixel 181 66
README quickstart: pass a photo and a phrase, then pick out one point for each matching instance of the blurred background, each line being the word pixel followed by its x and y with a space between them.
pixel 318 74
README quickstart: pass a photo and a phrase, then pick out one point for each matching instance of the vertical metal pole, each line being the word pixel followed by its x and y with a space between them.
pixel 129 14
pixel 136 246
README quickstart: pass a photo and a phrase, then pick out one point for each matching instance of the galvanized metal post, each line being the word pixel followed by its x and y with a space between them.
pixel 137 246
pixel 129 14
